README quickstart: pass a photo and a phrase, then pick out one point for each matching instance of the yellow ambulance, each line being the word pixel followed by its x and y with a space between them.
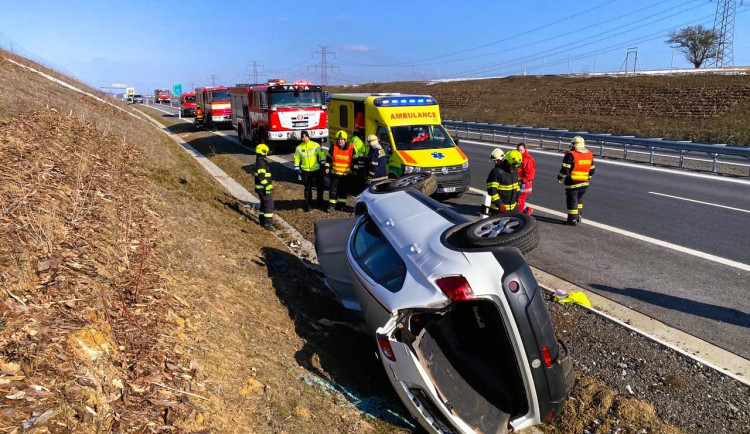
pixel 409 129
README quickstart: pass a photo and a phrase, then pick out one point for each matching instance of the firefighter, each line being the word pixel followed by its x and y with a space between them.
pixel 577 170
pixel 526 174
pixel 359 173
pixel 376 161
pixel 264 186
pixel 502 182
pixel 339 165
pixel 308 162
pixel 198 121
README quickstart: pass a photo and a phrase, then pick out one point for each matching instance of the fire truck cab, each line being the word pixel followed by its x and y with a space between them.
pixel 278 111
pixel 214 101
pixel 162 96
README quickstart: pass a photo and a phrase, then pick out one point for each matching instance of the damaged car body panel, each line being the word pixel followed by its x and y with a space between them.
pixel 462 330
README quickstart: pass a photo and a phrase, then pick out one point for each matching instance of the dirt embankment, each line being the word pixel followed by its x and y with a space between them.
pixel 136 294
pixel 704 108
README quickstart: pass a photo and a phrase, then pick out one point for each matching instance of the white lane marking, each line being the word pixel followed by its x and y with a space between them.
pixel 700 202
pixel 162 110
pixel 601 161
pixel 660 243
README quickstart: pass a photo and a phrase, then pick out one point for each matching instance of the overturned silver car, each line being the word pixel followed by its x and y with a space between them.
pixel 459 320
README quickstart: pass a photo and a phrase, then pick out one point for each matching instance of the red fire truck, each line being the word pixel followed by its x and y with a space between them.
pixel 187 103
pixel 162 95
pixel 214 101
pixel 278 111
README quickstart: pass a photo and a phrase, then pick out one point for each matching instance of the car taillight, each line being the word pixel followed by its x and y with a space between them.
pixel 457 288
pixel 547 358
pixel 385 347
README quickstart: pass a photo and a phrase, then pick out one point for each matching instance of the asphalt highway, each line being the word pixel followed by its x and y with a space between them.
pixel 669 243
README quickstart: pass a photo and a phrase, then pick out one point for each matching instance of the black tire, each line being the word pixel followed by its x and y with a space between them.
pixel 424 182
pixel 508 229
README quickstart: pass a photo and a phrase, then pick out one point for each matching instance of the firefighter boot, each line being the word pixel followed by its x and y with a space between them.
pixel 572 220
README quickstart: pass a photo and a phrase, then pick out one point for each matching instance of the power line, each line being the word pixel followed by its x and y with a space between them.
pixel 256 73
pixel 324 65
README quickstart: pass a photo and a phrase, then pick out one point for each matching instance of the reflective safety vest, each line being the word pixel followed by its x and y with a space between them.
pixel 340 160
pixel 577 169
pixel 582 163
pixel 308 156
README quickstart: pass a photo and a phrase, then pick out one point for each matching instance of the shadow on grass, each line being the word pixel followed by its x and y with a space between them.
pixel 697 308
pixel 338 355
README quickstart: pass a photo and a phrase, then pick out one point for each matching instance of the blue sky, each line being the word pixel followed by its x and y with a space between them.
pixel 151 44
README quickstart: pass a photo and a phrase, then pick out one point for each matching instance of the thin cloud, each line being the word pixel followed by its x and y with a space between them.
pixel 356 47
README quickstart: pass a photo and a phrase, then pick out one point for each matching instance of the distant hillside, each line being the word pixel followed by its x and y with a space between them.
pixel 707 108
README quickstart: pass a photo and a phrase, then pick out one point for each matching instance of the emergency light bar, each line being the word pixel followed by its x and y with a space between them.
pixel 404 101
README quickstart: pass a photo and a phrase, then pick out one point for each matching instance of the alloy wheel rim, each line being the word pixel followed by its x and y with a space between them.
pixel 498 226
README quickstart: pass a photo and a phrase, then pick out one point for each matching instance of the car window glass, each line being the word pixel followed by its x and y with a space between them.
pixel 386 267
pixel 367 237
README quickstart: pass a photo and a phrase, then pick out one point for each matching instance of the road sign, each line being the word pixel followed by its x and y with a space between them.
pixel 119 86
pixel 177 89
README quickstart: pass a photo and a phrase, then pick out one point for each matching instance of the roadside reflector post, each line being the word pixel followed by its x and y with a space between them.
pixel 682 158
pixel 625 151
pixel 481 131
pixel 601 148
pixel 651 157
pixel 541 142
pixel 716 161
pixel 559 144
pixel 493 136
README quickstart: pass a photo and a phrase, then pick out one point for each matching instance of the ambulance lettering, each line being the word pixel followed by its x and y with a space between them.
pixel 413 115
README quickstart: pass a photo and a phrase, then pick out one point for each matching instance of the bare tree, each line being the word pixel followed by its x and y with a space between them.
pixel 696 42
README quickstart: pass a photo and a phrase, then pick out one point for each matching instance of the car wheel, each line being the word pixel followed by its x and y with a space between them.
pixel 509 229
pixel 424 182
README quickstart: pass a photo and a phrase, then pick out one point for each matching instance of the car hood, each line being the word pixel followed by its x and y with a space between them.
pixel 435 157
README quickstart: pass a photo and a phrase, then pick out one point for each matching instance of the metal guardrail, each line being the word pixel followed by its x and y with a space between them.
pixel 562 137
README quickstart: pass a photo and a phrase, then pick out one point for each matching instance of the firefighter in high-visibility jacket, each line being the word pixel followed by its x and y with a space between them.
pixel 308 162
pixel 339 163
pixel 264 186
pixel 502 182
pixel 576 172
pixel 359 173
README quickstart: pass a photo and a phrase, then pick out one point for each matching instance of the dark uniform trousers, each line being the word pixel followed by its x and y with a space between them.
pixel 308 179
pixel 337 193
pixel 266 207
pixel 574 202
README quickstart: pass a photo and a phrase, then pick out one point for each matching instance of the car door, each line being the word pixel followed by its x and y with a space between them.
pixel 331 238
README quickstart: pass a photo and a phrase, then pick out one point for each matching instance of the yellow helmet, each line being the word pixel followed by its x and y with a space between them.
pixel 578 140
pixel 341 135
pixel 514 157
pixel 262 149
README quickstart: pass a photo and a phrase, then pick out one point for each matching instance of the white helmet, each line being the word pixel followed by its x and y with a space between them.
pixel 497 154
